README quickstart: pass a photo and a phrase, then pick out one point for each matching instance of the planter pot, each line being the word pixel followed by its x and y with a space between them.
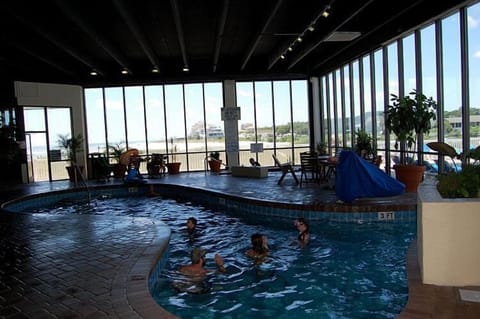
pixel 410 175
pixel 447 237
pixel 75 173
pixel 215 165
pixel 119 170
pixel 173 168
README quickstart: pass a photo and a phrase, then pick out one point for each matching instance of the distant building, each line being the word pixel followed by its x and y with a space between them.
pixel 456 122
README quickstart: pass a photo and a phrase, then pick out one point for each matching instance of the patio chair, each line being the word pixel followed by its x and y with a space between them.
pixel 285 168
pixel 309 168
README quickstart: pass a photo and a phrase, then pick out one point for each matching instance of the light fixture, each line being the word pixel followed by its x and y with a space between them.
pixel 325 12
pixel 93 73
pixel 299 39
pixel 185 68
pixel 290 49
pixel 282 57
pixel 155 70
pixel 311 28
pixel 124 71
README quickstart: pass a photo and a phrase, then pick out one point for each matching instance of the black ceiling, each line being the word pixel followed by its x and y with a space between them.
pixel 63 40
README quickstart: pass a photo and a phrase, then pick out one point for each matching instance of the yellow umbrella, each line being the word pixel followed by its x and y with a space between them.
pixel 125 157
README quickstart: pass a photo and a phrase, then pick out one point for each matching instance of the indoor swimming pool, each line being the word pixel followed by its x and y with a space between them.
pixel 349 270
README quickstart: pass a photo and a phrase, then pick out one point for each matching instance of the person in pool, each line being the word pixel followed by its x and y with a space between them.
pixel 191 225
pixel 259 248
pixel 197 267
pixel 303 231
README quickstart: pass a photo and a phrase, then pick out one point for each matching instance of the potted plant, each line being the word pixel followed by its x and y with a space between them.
pixel 71 146
pixel 214 161
pixel 173 166
pixel 460 183
pixel 408 117
pixel 115 152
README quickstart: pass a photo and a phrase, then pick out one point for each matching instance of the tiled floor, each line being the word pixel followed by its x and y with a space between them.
pixel 97 267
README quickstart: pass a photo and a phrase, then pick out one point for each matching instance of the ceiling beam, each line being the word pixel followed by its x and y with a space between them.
pixel 61 45
pixel 90 31
pixel 379 26
pixel 178 25
pixel 135 28
pixel 221 28
pixel 43 59
pixel 312 47
pixel 260 34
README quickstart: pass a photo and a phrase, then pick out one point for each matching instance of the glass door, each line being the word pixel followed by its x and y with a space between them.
pixel 43 125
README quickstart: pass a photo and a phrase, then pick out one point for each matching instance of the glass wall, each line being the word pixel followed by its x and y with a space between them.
pixel 440 59
pixel 183 121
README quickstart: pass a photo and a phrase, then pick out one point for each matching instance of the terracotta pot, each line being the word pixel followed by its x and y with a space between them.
pixel 173 168
pixel 119 170
pixel 410 175
pixel 215 165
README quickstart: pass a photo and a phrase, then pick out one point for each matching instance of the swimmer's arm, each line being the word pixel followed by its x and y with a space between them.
pixel 219 263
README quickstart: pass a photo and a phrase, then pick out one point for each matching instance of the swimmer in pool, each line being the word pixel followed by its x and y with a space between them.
pixel 197 267
pixel 191 225
pixel 303 231
pixel 259 248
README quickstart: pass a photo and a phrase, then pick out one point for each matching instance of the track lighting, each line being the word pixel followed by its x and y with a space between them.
pixel 282 57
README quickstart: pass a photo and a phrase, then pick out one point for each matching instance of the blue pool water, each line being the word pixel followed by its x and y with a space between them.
pixel 347 271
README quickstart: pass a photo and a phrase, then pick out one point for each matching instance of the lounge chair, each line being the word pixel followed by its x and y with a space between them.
pixel 285 167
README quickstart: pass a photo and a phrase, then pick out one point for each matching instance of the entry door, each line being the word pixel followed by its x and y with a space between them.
pixel 43 125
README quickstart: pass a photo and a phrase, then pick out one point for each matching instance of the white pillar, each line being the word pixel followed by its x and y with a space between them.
pixel 230 123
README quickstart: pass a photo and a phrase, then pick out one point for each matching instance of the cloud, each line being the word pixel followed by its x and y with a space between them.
pixel 477 54
pixel 472 22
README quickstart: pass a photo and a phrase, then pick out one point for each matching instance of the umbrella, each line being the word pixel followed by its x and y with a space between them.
pixel 125 157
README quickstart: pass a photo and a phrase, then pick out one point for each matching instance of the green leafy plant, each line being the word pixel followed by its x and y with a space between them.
pixel 363 145
pixel 464 183
pixel 215 155
pixel 71 145
pixel 407 117
pixel 117 150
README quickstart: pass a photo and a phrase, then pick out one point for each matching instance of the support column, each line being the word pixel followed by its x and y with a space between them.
pixel 230 117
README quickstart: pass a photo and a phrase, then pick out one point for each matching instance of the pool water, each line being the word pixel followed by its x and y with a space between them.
pixel 347 271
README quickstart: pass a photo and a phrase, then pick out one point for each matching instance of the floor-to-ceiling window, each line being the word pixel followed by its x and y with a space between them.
pixel 183 121
pixel 275 114
pixel 440 59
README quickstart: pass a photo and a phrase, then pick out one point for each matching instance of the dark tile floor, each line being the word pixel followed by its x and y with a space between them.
pixel 97 267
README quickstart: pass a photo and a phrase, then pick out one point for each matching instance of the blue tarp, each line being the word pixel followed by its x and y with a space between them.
pixel 356 177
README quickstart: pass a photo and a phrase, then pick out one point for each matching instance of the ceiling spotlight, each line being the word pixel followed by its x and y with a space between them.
pixel 93 72
pixel 282 57
pixel 185 68
pixel 124 71
pixel 299 39
pixel 311 28
pixel 290 49
pixel 155 70
pixel 325 12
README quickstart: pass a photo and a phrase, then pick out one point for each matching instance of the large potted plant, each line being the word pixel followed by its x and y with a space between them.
pixel 115 152
pixel 71 146
pixel 214 162
pixel 409 117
